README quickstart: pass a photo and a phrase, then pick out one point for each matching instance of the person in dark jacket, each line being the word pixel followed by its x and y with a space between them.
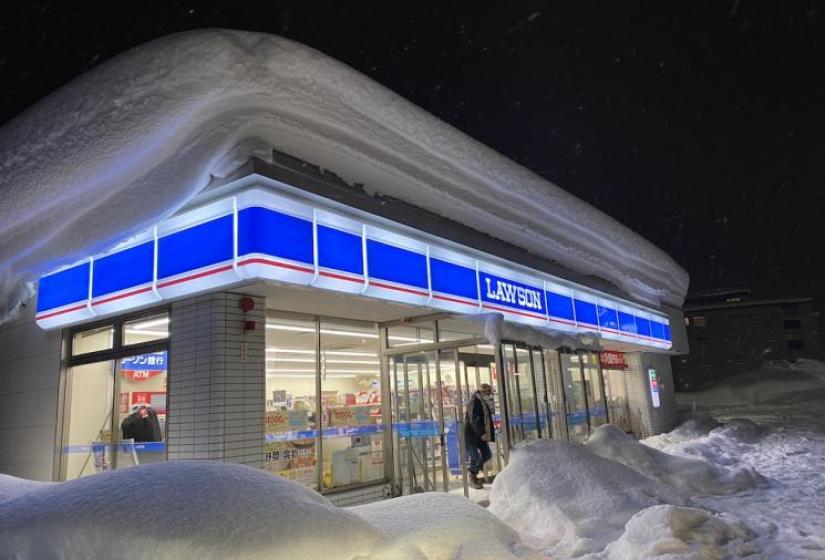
pixel 478 432
pixel 142 425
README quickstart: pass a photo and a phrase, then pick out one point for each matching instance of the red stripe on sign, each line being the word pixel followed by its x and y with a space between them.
pixel 447 298
pixel 563 321
pixel 124 295
pixel 398 288
pixel 525 313
pixel 341 277
pixel 276 263
pixel 194 276
pixel 61 312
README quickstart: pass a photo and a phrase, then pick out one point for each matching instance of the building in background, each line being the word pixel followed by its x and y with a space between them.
pixel 731 332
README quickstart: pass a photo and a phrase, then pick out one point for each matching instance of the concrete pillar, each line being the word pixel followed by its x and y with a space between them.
pixel 645 419
pixel 217 380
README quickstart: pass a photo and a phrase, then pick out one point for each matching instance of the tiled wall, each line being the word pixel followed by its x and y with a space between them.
pixel 216 380
pixel 29 380
pixel 360 496
pixel 645 419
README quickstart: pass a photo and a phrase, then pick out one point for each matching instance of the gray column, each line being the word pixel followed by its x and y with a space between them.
pixel 217 380
pixel 645 419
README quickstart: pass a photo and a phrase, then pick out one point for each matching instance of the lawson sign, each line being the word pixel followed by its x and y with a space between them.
pixel 281 236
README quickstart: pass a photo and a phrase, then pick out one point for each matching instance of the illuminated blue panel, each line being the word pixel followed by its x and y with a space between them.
pixel 124 269
pixel 195 247
pixel 340 250
pixel 586 312
pixel 502 291
pixel 667 333
pixel 627 323
pixel 643 325
pixel 394 264
pixel 453 279
pixel 608 318
pixel 272 233
pixel 64 287
pixel 560 306
pixel 657 330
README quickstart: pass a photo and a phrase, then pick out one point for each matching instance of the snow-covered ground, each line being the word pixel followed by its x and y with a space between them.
pixel 752 486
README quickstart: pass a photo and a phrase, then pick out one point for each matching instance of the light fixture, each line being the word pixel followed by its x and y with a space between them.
pixel 147 332
pixel 149 323
pixel 338 332
pixel 306 376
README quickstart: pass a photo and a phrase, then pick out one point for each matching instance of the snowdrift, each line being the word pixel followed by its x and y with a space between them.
pixel 561 496
pixel 184 510
pixel 445 527
pixel 678 533
pixel 692 476
pixel 132 140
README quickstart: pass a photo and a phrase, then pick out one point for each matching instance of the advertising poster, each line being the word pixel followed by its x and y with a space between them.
pixel 294 460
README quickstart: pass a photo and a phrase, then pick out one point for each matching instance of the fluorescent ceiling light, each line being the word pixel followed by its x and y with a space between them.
pixel 150 323
pixel 305 376
pixel 146 332
pixel 273 350
pixel 338 332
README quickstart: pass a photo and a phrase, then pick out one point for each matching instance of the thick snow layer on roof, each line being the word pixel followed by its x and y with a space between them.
pixel 184 510
pixel 445 527
pixel 560 496
pixel 693 476
pixel 132 140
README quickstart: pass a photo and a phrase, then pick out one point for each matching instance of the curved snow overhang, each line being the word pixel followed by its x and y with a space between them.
pixel 130 142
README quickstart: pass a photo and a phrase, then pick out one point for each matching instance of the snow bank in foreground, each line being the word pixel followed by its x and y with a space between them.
pixel 132 140
pixel 445 527
pixel 693 476
pixel 12 487
pixel 561 496
pixel 669 533
pixel 184 510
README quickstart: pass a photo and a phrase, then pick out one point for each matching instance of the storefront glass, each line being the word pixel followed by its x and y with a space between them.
pixel 418 429
pixel 616 390
pixel 353 445
pixel 146 329
pixel 597 411
pixel 291 436
pixel 87 426
pixel 93 340
pixel 575 398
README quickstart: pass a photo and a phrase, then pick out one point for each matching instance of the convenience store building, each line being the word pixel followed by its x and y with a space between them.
pixel 288 321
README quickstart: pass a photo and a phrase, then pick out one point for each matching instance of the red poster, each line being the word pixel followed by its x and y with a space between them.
pixel 155 399
pixel 140 375
pixel 613 360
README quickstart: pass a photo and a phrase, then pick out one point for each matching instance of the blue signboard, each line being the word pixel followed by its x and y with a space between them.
pixel 509 293
pixel 153 361
pixel 267 237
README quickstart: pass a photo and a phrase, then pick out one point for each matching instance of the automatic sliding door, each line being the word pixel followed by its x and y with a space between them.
pixel 575 398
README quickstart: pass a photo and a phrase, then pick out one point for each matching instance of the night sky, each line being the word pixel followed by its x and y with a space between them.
pixel 700 125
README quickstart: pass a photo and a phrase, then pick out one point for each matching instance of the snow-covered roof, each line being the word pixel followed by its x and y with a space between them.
pixel 131 141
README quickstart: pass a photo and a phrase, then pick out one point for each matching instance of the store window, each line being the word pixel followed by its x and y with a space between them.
pixel 597 411
pixel 93 340
pixel 323 412
pixel 615 388
pixel 575 398
pixel 291 436
pixel 353 446
pixel 114 412
pixel 146 329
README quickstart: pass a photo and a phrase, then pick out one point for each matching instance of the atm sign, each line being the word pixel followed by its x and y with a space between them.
pixel 613 360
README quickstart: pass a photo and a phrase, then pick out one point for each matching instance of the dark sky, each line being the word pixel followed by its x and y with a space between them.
pixel 701 125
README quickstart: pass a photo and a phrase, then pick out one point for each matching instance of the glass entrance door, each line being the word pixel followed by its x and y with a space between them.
pixel 575 397
pixel 478 367
pixel 418 423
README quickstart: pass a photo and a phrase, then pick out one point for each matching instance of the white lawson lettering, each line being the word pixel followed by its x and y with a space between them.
pixel 509 293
